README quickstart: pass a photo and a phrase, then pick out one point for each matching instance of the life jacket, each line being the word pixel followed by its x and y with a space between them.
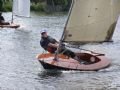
pixel 51 49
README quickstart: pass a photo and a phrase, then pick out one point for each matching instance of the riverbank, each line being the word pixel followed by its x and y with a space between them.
pixel 37 7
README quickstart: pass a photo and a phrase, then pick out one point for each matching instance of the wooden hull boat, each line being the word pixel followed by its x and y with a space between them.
pixel 89 62
pixel 10 26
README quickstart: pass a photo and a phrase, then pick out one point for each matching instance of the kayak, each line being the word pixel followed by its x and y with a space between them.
pixel 87 62
pixel 10 26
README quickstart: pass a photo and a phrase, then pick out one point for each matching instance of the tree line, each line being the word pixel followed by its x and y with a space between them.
pixel 1 5
pixel 55 5
pixel 40 5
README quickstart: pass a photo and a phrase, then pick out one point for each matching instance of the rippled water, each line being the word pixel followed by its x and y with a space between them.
pixel 19 69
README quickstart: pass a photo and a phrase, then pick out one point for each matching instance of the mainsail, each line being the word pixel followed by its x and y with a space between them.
pixel 21 8
pixel 92 20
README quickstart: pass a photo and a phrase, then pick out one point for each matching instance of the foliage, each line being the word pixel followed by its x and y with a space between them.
pixel 38 7
pixel 1 5
pixel 7 6
pixel 61 2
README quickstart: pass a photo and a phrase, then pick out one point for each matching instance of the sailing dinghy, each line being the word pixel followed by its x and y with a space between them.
pixel 20 8
pixel 91 62
pixel 12 25
pixel 88 21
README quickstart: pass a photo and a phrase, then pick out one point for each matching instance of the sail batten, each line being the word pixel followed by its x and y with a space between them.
pixel 92 20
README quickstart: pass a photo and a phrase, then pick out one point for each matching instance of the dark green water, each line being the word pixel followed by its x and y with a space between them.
pixel 20 70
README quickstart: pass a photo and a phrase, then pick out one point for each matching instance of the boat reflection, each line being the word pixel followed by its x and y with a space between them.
pixel 50 73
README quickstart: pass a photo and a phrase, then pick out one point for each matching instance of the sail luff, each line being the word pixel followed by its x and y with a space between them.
pixel 92 21
pixel 69 13
pixel 12 13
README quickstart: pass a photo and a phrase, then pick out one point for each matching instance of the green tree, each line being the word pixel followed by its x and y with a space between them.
pixel 1 5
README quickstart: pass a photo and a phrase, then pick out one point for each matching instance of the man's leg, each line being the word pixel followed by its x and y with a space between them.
pixel 69 53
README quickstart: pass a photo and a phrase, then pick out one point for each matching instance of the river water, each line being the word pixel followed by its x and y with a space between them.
pixel 20 70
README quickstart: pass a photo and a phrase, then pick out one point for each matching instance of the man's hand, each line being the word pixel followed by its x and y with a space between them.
pixel 53 45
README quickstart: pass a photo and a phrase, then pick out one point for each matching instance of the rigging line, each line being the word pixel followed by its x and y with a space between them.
pixel 12 13
pixel 62 51
pixel 78 47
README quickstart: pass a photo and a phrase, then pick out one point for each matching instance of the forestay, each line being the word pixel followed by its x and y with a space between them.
pixel 92 20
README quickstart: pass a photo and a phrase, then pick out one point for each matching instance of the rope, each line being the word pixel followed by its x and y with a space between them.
pixel 78 47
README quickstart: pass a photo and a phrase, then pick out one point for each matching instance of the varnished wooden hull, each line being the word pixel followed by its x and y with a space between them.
pixel 10 26
pixel 94 62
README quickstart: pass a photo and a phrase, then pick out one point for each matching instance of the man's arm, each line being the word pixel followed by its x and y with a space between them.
pixel 53 45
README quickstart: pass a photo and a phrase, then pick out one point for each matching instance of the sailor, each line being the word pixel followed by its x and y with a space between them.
pixel 50 44
pixel 2 20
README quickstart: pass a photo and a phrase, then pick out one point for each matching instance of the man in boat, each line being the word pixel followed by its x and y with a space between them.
pixel 2 20
pixel 51 45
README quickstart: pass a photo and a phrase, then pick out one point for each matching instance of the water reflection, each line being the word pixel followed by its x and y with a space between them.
pixel 50 73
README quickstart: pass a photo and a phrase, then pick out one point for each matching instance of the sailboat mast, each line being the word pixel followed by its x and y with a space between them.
pixel 56 54
pixel 12 12
pixel 69 13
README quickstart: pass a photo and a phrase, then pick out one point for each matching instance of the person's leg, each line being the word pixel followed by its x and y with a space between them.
pixel 69 53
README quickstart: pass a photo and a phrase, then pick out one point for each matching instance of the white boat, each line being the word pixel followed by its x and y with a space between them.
pixel 20 8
